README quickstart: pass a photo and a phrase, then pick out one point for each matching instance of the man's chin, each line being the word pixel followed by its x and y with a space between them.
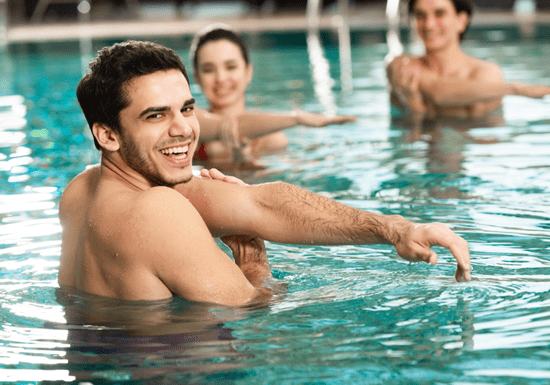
pixel 174 182
pixel 183 180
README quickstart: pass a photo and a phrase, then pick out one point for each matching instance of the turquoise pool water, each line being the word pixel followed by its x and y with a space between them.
pixel 354 315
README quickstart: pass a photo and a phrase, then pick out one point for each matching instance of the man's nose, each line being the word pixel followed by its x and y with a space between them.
pixel 430 21
pixel 180 126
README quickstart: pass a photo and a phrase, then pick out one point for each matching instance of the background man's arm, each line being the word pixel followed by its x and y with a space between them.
pixel 484 90
pixel 412 86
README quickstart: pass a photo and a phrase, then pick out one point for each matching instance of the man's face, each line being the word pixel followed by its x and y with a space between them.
pixel 438 23
pixel 159 130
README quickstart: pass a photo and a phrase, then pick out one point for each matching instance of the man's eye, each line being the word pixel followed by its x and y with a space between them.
pixel 187 108
pixel 154 116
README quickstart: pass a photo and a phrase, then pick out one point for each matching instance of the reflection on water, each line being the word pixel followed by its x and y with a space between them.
pixel 441 142
pixel 107 339
pixel 351 314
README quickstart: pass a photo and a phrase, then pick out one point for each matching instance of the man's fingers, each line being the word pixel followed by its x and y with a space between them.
pixel 234 180
pixel 441 235
pixel 462 275
pixel 214 173
pixel 205 173
pixel 432 258
pixel 462 255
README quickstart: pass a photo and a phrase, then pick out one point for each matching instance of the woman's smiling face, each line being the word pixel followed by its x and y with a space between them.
pixel 223 75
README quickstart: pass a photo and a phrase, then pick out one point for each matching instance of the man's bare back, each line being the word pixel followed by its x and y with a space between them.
pixel 99 213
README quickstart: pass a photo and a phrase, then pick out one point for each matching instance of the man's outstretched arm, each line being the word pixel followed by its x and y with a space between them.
pixel 283 213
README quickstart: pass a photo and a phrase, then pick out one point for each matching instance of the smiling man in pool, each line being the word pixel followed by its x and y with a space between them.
pixel 140 227
pixel 445 81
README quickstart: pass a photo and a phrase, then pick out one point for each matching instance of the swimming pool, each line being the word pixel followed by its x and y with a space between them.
pixel 355 315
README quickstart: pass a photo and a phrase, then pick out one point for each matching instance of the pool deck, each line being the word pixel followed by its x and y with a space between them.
pixel 360 18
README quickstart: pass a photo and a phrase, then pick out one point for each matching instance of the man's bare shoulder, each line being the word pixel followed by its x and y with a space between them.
pixel 80 189
pixel 163 212
pixel 486 70
pixel 147 223
pixel 86 179
pixel 158 199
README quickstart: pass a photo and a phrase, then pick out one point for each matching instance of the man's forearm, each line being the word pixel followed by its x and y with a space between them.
pixel 282 213
pixel 288 214
pixel 456 93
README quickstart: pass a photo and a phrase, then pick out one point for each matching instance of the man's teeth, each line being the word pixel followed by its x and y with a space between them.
pixel 175 150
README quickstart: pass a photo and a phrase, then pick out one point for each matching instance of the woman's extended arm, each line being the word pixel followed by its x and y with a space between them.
pixel 253 124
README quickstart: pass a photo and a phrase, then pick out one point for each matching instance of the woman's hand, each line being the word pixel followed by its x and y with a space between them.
pixel 319 120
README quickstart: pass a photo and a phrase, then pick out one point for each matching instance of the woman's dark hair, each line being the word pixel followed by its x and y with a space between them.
pixel 102 92
pixel 216 32
pixel 460 6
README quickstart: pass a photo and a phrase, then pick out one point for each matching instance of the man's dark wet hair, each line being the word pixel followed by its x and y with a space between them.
pixel 460 6
pixel 217 32
pixel 102 92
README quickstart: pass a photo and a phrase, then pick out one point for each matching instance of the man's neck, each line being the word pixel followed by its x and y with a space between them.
pixel 114 168
pixel 446 60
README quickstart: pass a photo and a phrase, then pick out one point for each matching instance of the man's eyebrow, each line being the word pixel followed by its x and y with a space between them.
pixel 164 109
pixel 189 101
pixel 154 109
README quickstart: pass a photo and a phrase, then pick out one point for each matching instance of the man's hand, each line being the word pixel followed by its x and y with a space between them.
pixel 218 175
pixel 404 74
pixel 247 251
pixel 251 257
pixel 531 91
pixel 416 241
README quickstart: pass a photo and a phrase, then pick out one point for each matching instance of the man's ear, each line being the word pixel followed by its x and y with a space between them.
pixel 106 137
pixel 464 18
